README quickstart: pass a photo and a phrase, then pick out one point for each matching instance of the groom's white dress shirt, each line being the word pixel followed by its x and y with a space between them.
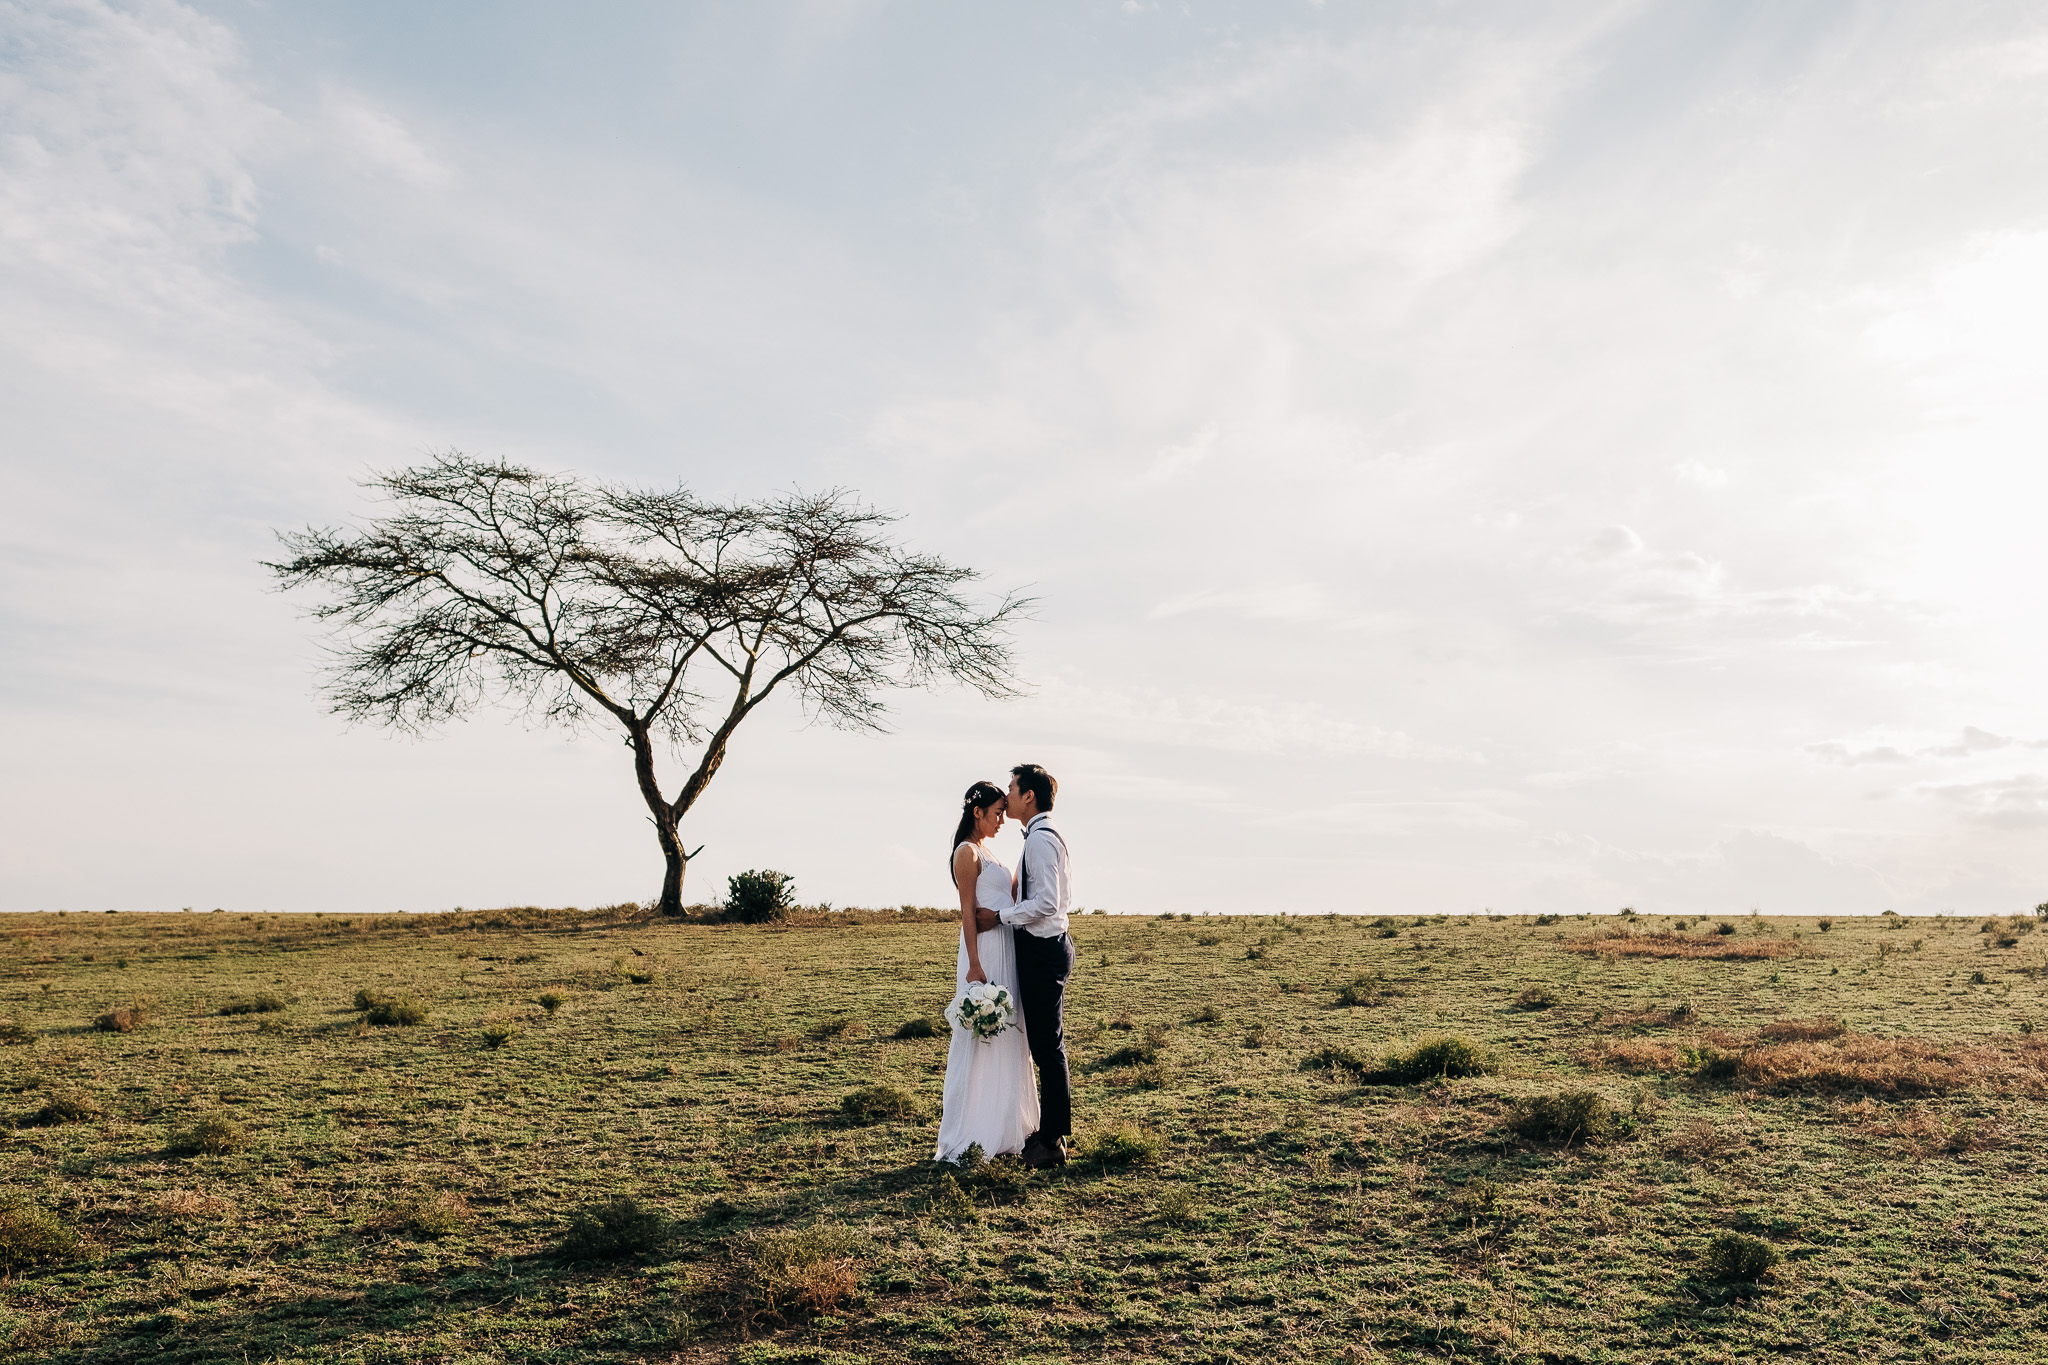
pixel 1044 874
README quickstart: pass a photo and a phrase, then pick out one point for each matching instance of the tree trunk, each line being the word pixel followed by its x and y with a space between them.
pixel 664 817
pixel 672 879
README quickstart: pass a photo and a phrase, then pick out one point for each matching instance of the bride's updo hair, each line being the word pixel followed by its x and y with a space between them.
pixel 979 798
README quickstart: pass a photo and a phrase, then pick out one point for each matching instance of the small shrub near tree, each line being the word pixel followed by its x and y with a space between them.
pixel 1534 998
pixel 31 1236
pixel 613 1230
pixel 497 1035
pixel 880 1104
pixel 265 1003
pixel 759 897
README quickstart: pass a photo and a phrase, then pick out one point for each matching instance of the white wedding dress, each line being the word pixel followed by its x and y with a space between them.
pixel 991 1094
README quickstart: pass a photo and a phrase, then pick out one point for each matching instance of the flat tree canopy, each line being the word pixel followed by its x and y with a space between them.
pixel 664 614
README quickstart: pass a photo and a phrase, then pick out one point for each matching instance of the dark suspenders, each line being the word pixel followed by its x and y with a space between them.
pixel 1024 863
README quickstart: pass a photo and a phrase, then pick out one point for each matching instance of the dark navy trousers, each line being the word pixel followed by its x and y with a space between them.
pixel 1043 966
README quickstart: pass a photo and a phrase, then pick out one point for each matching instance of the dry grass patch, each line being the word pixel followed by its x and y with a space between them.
pixel 1821 1056
pixel 1632 1054
pixel 421 1215
pixel 1700 1140
pixel 1657 1016
pixel 1923 1133
pixel 189 1206
pixel 1623 943
pixel 783 1275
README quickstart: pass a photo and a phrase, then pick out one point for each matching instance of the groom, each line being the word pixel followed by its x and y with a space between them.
pixel 1045 956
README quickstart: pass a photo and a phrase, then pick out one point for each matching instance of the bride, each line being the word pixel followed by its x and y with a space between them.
pixel 990 1098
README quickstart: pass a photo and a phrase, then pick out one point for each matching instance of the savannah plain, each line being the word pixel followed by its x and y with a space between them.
pixel 563 1136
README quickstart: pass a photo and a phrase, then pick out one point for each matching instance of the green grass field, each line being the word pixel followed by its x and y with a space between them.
pixel 1266 1176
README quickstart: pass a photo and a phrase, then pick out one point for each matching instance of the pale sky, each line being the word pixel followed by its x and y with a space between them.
pixel 1515 456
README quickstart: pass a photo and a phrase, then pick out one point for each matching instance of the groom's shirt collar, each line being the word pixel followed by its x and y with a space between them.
pixel 1038 820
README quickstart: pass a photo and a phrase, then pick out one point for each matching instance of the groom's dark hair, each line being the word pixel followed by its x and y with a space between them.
pixel 1036 780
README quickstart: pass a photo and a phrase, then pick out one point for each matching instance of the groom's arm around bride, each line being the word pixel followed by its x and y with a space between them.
pixel 1045 956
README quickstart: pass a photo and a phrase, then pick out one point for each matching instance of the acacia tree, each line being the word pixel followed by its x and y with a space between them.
pixel 669 616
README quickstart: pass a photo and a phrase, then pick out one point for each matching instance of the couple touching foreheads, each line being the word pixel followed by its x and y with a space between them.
pixel 1010 981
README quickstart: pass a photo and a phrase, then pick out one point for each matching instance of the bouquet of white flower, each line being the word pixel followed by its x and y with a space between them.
pixel 984 1009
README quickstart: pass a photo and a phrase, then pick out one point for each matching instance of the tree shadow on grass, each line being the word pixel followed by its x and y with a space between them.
pixel 292 1327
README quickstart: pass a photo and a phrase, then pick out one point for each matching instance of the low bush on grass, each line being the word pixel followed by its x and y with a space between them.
pixel 1179 1206
pixel 211 1135
pixel 880 1104
pixel 785 1275
pixel 950 1201
pixel 62 1109
pixel 614 1230
pixel 1534 998
pixel 1122 1145
pixel 1448 1056
pixel 1710 1063
pixel 1341 1060
pixel 1363 991
pixel 1208 1014
pixel 388 1011
pixel 1138 1053
pixel 421 1215
pixel 13 1033
pixel 551 1000
pixel 31 1236
pixel 921 1027
pixel 1002 1179
pixel 1567 1117
pixel 759 897
pixel 265 1003
pixel 1724 928
pixel 838 1030
pixel 1150 1076
pixel 1733 1258
pixel 497 1035
pixel 120 1019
